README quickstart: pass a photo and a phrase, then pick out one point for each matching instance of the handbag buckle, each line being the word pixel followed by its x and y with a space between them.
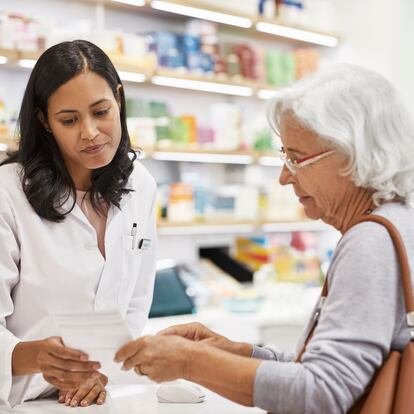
pixel 410 319
pixel 410 323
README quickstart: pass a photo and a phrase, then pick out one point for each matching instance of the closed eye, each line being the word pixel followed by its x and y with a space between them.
pixel 69 121
pixel 102 112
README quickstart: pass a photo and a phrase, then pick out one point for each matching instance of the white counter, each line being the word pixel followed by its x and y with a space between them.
pixel 138 399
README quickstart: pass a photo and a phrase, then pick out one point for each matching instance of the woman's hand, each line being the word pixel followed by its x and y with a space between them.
pixel 63 367
pixel 200 333
pixel 161 357
pixel 92 390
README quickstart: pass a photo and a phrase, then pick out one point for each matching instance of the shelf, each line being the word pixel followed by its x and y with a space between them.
pixel 212 156
pixel 131 70
pixel 193 155
pixel 250 25
pixel 237 227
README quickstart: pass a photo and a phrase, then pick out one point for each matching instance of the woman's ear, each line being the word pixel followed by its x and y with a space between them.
pixel 43 120
pixel 120 91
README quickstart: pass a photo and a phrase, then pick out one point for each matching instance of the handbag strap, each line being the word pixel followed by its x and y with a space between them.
pixel 404 272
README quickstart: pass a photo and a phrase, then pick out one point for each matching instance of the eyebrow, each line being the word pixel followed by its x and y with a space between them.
pixel 64 111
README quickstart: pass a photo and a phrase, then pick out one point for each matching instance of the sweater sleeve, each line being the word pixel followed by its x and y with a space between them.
pixel 354 334
pixel 270 354
pixel 9 276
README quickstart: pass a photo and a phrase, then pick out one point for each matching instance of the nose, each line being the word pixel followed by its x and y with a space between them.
pixel 89 131
pixel 286 177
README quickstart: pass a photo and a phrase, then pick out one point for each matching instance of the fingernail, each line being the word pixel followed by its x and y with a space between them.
pixel 83 358
pixel 95 375
pixel 96 366
pixel 83 403
pixel 124 368
pixel 74 403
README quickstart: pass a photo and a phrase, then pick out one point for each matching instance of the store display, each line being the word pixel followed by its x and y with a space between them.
pixel 291 264
pixel 197 49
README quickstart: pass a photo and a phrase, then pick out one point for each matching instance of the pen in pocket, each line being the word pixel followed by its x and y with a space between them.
pixel 134 235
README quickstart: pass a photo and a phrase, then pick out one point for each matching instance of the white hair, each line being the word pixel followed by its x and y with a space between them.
pixel 358 112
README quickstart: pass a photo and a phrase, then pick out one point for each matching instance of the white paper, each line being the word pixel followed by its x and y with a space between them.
pixel 99 334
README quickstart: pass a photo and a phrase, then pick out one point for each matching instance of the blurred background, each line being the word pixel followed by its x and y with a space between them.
pixel 235 250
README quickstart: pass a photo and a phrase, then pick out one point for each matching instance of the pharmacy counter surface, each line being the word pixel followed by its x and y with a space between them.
pixel 138 399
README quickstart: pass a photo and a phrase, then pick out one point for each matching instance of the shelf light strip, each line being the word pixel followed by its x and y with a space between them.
pixel 269 161
pixel 199 13
pixel 208 158
pixel 202 85
pixel 295 226
pixel 131 76
pixel 206 229
pixel 266 93
pixel 137 3
pixel 3 60
pixel 297 34
pixel 27 63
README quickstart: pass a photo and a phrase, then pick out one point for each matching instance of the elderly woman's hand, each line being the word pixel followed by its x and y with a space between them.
pixel 161 357
pixel 90 391
pixel 200 333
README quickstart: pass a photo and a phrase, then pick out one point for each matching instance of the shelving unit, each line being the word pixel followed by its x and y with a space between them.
pixel 130 70
pixel 251 26
pixel 237 227
pixel 133 71
pixel 192 155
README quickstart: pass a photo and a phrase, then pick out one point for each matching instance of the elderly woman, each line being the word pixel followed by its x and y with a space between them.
pixel 348 148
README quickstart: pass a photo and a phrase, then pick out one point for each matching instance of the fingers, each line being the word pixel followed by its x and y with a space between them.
pixel 129 349
pixel 69 396
pixel 70 376
pixel 194 331
pixel 57 348
pixel 175 330
pixel 49 360
pixel 62 396
pixel 101 398
pixel 85 396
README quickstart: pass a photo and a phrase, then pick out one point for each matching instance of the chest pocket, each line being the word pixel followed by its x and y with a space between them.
pixel 132 258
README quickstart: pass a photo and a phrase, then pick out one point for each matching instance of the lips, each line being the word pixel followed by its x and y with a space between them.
pixel 93 149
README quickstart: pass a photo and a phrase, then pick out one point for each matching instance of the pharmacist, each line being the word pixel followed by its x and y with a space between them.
pixel 77 225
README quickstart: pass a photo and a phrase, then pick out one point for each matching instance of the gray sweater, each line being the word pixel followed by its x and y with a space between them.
pixel 362 319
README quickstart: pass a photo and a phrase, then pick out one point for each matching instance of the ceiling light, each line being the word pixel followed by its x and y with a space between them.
pixel 199 13
pixel 297 34
pixel 205 86
pixel 131 76
pixel 200 157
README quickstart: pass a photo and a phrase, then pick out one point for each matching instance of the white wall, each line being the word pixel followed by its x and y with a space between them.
pixel 379 34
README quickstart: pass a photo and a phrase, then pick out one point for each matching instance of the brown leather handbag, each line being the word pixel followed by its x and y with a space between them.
pixel 392 388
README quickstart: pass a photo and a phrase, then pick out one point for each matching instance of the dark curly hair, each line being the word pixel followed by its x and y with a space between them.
pixel 45 178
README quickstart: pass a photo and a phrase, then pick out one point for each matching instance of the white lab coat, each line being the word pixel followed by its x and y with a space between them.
pixel 48 267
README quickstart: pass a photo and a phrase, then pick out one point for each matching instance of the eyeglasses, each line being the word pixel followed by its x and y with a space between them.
pixel 294 165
